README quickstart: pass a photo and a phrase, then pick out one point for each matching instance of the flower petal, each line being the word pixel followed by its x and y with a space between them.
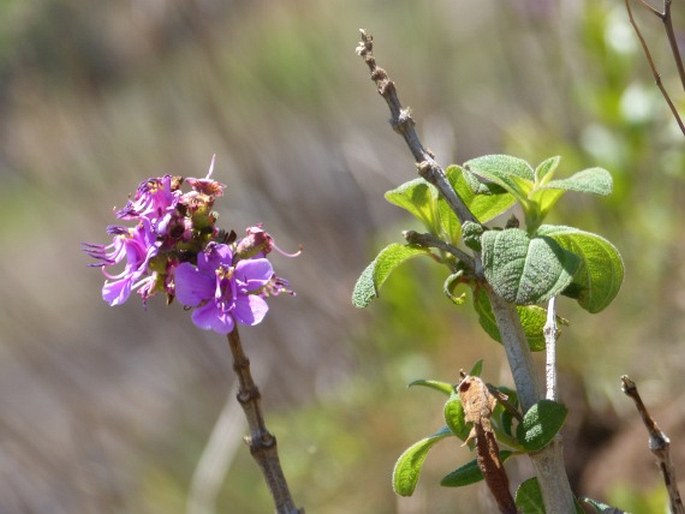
pixel 193 285
pixel 251 309
pixel 254 273
pixel 210 317
pixel 116 292
pixel 213 256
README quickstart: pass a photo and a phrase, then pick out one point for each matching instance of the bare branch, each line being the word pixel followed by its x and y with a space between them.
pixel 551 332
pixel 666 19
pixel 403 124
pixel 659 445
pixel 261 442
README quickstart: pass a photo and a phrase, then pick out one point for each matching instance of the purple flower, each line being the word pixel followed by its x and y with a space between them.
pixel 135 245
pixel 155 200
pixel 223 292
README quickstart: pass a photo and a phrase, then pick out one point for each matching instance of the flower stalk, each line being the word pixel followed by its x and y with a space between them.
pixel 262 443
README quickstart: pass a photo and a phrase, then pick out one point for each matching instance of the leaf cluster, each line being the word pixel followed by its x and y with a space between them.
pixel 525 266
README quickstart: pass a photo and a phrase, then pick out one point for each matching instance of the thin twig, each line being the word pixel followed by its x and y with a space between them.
pixel 551 332
pixel 403 124
pixel 429 241
pixel 261 442
pixel 659 445
pixel 666 19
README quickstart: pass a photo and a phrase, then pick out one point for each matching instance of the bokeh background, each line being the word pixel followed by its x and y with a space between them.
pixel 131 410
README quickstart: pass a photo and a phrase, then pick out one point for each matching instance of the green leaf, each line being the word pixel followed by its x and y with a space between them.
pixel 592 180
pixel 454 417
pixel 529 497
pixel 477 368
pixel 540 424
pixel 443 387
pixel 418 197
pixel 545 170
pixel 450 284
pixel 525 270
pixel 492 200
pixel 407 469
pixel 598 279
pixel 513 174
pixel 375 274
pixel 469 473
pixel 532 318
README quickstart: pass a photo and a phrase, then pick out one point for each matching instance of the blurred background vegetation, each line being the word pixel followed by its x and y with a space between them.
pixel 110 409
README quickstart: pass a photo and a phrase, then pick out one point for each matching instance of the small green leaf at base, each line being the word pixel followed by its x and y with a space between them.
pixel 469 473
pixel 529 497
pixel 407 469
pixel 443 387
pixel 540 424
pixel 375 274
pixel 454 417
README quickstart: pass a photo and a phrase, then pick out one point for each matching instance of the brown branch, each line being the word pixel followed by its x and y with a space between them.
pixel 666 19
pixel 659 445
pixel 430 241
pixel 261 442
pixel 403 124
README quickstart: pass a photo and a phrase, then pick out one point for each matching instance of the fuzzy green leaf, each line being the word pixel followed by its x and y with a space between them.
pixel 532 318
pixel 407 469
pixel 469 473
pixel 513 174
pixel 443 387
pixel 545 170
pixel 540 424
pixel 418 197
pixel 592 180
pixel 477 368
pixel 375 274
pixel 525 270
pixel 489 203
pixel 529 498
pixel 454 417
pixel 598 279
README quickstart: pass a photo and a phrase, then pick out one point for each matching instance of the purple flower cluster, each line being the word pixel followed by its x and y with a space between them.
pixel 175 247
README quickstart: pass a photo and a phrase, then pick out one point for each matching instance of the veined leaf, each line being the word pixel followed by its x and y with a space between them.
pixel 592 180
pixel 540 424
pixel 545 170
pixel 529 497
pixel 525 270
pixel 598 279
pixel 513 174
pixel 454 417
pixel 443 387
pixel 419 198
pixel 407 469
pixel 492 201
pixel 375 274
pixel 469 473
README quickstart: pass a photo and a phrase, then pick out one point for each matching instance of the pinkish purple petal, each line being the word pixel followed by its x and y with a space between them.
pixel 193 285
pixel 210 317
pixel 250 310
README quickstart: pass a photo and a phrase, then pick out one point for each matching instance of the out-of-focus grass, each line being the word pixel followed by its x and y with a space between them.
pixel 95 98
